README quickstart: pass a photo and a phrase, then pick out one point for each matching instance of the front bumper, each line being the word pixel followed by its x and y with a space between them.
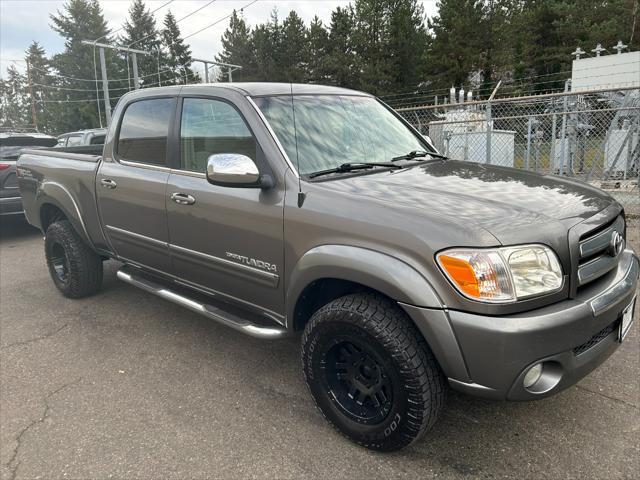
pixel 489 356
pixel 11 206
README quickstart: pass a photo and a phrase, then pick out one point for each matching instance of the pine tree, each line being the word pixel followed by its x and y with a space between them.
pixel 140 33
pixel 291 56
pixel 457 45
pixel 317 52
pixel 406 44
pixel 43 87
pixel 371 45
pixel 342 61
pixel 237 49
pixel 14 101
pixel 175 55
pixel 80 20
pixel 266 40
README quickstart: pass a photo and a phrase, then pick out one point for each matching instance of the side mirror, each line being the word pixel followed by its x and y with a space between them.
pixel 235 170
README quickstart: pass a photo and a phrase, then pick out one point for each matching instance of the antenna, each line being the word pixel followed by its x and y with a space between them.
pixel 301 196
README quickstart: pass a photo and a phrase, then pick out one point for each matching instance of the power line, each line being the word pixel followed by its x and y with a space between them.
pixel 177 21
pixel 214 23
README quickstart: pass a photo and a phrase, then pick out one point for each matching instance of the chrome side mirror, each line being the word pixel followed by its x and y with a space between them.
pixel 235 170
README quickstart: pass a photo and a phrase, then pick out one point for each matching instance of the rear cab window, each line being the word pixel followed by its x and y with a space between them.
pixel 144 130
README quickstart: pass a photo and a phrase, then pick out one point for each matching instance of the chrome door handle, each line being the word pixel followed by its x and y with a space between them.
pixel 105 182
pixel 183 198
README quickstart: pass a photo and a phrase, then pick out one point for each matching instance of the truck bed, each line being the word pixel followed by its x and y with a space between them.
pixel 64 180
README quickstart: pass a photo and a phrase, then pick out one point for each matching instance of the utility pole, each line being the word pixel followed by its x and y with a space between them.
pixel 103 69
pixel 105 87
pixel 230 68
pixel 34 116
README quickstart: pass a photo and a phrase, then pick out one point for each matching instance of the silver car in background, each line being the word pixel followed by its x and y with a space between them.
pixel 92 136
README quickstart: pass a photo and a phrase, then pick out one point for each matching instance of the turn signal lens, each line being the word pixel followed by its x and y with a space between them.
pixel 502 274
pixel 479 274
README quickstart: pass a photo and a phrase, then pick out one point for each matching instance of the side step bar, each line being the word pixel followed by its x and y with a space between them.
pixel 209 311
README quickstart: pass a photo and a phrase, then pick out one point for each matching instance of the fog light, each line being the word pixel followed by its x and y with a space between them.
pixel 532 375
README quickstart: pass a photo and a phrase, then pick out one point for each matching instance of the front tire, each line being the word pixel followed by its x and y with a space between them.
pixel 76 270
pixel 371 373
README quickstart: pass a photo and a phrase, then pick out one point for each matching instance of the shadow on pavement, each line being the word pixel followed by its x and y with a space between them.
pixel 15 227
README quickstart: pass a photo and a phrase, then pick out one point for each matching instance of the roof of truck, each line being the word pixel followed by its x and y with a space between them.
pixel 256 89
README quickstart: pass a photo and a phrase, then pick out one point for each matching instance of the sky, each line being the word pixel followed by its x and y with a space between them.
pixel 23 21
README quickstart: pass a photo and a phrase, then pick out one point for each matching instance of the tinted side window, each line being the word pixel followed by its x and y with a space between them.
pixel 144 130
pixel 209 127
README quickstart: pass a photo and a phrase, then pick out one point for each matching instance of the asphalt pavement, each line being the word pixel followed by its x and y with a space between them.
pixel 125 385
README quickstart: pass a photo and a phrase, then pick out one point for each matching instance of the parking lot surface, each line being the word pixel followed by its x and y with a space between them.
pixel 126 385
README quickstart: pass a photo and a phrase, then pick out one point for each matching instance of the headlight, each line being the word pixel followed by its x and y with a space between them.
pixel 500 275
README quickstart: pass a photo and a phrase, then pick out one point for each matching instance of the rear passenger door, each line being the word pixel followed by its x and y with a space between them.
pixel 227 240
pixel 132 181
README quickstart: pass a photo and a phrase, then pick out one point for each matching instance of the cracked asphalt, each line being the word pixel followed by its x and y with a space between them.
pixel 124 385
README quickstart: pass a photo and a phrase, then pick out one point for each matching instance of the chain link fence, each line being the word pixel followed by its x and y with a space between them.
pixel 592 136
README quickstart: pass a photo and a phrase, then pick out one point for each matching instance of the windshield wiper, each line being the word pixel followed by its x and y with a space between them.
pixel 418 154
pixel 349 167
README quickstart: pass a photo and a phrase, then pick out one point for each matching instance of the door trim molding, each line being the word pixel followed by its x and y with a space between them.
pixel 137 236
pixel 228 266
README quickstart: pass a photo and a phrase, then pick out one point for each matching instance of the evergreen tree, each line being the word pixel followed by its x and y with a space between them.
pixel 342 62
pixel 291 56
pixel 80 20
pixel 176 55
pixel 406 44
pixel 237 49
pixel 140 33
pixel 43 88
pixel 317 52
pixel 14 102
pixel 266 40
pixel 457 44
pixel 371 45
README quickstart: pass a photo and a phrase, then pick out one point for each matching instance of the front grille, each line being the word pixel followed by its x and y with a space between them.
pixel 596 339
pixel 595 255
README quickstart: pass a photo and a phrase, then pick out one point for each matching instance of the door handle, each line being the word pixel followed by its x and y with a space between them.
pixel 107 183
pixel 183 198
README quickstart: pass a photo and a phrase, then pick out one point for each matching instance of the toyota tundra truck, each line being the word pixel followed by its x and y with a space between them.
pixel 277 208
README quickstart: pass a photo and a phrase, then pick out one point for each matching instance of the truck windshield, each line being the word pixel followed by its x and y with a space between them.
pixel 336 129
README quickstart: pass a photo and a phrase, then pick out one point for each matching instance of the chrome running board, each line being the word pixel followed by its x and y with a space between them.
pixel 214 313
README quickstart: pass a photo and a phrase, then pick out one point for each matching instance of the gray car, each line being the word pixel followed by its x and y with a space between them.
pixel 278 208
pixel 11 144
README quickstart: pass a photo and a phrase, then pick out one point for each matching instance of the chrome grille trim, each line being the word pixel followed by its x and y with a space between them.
pixel 600 241
pixel 594 256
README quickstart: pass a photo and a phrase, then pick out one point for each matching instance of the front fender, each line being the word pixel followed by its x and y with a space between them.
pixel 388 275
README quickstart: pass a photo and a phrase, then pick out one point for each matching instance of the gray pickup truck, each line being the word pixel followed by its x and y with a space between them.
pixel 278 208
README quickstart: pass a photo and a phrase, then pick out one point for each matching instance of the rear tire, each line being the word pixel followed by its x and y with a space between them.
pixel 76 270
pixel 371 373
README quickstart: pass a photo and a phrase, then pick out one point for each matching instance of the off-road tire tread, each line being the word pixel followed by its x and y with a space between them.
pixel 424 380
pixel 85 266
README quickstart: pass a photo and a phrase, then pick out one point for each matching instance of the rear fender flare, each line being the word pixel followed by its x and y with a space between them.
pixel 58 195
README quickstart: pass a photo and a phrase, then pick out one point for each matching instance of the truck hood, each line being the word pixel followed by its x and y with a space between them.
pixel 507 202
